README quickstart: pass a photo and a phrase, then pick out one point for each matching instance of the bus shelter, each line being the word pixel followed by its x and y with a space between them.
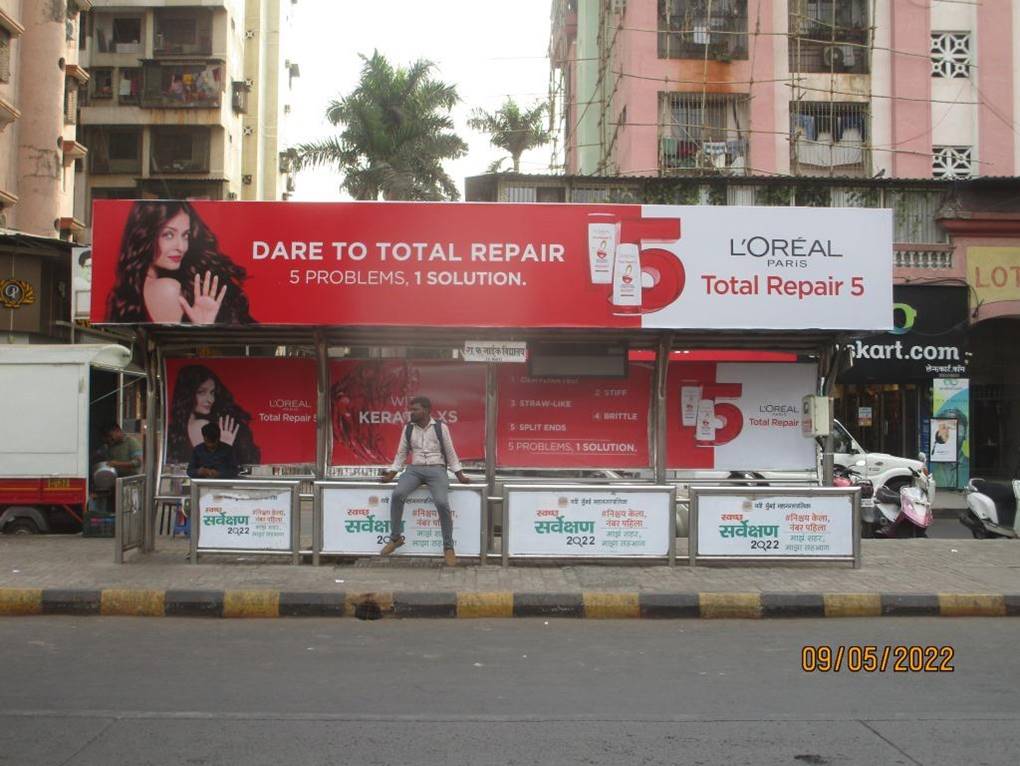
pixel 582 355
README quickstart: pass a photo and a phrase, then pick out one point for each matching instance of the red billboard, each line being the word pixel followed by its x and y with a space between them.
pixel 573 422
pixel 413 264
pixel 369 401
pixel 265 407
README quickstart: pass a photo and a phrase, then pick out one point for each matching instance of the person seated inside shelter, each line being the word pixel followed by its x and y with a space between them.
pixel 212 459
pixel 123 453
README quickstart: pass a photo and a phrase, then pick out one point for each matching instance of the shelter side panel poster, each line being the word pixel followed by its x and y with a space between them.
pixel 265 407
pixel 369 402
pixel 738 416
pixel 491 265
pixel 573 422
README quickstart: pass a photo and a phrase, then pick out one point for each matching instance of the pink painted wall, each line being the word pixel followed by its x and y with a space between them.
pixel 911 79
pixel 637 57
pixel 995 46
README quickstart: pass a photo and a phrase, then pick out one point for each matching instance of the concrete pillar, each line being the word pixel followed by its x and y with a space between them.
pixel 40 154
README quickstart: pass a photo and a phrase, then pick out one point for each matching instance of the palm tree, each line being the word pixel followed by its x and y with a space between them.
pixel 396 133
pixel 512 128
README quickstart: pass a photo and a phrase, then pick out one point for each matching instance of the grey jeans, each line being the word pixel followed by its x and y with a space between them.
pixel 438 482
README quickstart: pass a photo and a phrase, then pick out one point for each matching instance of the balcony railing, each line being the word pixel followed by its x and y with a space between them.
pixel 702 133
pixel 829 138
pixel 696 29
pixel 182 86
pixel 924 256
pixel 829 36
pixel 182 34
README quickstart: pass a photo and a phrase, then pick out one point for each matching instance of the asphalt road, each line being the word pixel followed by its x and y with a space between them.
pixel 83 691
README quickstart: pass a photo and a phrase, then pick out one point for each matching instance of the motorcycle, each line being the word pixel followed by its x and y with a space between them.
pixel 991 509
pixel 843 476
pixel 903 511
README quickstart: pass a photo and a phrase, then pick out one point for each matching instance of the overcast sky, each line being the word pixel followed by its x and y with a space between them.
pixel 488 50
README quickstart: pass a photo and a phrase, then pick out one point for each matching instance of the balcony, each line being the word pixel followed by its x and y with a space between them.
pixel 179 150
pixel 700 29
pixel 114 33
pixel 705 134
pixel 184 32
pixel 182 86
pixel 829 37
pixel 829 138
pixel 114 151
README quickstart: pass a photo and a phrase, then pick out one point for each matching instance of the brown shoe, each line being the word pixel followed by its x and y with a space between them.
pixel 450 557
pixel 391 546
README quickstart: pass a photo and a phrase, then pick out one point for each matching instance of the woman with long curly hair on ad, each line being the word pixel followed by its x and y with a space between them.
pixel 170 270
pixel 199 397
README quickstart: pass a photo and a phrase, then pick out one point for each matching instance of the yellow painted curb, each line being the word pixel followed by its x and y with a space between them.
pixel 495 604
pixel 251 603
pixel 971 605
pixel 132 603
pixel 853 605
pixel 611 606
pixel 383 600
pixel 20 601
pixel 730 605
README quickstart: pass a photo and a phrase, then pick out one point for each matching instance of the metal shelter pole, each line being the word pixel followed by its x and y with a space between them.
pixel 151 449
pixel 490 457
pixel 322 419
pixel 659 407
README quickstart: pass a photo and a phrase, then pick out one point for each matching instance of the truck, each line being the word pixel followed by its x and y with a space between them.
pixel 48 417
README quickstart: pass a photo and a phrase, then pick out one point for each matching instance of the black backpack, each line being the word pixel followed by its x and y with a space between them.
pixel 439 435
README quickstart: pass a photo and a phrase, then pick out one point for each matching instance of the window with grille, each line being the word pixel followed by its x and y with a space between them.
pixel 829 138
pixel 703 132
pixel 5 55
pixel 70 101
pixel 698 29
pixel 102 83
pixel 177 150
pixel 915 214
pixel 950 54
pixel 829 36
pixel 952 162
pixel 114 150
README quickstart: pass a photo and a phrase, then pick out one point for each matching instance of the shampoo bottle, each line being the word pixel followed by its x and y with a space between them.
pixel 603 237
pixel 627 278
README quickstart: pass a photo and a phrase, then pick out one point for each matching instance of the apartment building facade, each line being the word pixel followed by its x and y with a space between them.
pixel 186 100
pixel 845 88
pixel 40 75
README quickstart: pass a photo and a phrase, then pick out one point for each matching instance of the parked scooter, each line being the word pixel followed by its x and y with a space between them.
pixel 843 476
pixel 904 512
pixel 991 509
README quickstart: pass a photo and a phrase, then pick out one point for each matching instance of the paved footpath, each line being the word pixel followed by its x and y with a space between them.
pixel 77 575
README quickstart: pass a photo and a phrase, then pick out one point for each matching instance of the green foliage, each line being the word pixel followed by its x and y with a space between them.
pixel 514 129
pixel 396 133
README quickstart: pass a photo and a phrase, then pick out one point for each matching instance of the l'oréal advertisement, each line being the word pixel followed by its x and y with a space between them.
pixel 738 416
pixel 264 406
pixel 491 265
pixel 369 401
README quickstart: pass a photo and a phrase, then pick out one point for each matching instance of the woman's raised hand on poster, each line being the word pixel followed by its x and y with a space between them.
pixel 228 429
pixel 207 300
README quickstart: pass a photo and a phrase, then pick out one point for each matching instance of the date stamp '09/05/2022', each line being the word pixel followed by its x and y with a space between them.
pixel 899 658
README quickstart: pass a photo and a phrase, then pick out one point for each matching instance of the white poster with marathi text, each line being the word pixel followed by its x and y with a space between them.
pixel 589 523
pixel 244 518
pixel 741 524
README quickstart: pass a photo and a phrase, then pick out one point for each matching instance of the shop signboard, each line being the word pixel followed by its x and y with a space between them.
pixel 738 416
pixel 929 339
pixel 265 407
pixel 409 264
pixel 356 520
pixel 993 274
pixel 573 422
pixel 370 400
pixel 583 522
pixel 816 523
pixel 864 417
pixel 233 516
pixel 496 351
